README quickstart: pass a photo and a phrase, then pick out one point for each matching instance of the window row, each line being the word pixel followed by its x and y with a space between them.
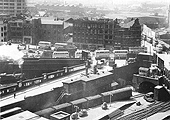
pixel 88 41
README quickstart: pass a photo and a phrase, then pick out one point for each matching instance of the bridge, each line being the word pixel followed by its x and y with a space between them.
pixel 144 83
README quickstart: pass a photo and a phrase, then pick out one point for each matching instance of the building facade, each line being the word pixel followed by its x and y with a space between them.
pixel 27 32
pixel 36 31
pixel 128 35
pixel 3 31
pixel 12 7
pixel 15 31
pixel 52 30
pixel 92 34
pixel 107 33
pixel 20 31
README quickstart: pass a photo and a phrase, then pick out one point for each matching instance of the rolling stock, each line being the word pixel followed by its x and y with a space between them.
pixel 88 102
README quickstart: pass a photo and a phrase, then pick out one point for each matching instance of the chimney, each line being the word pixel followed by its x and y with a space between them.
pixel 169 17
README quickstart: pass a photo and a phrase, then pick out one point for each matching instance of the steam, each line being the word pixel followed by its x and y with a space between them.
pixel 12 54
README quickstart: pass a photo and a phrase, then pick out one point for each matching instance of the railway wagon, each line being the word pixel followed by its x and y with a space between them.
pixel 119 94
pixel 79 104
pixel 45 112
pixel 93 101
pixel 8 89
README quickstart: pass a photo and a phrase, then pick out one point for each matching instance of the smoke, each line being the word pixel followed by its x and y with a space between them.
pixel 12 54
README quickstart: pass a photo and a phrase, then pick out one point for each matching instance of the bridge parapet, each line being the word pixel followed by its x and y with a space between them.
pixel 138 79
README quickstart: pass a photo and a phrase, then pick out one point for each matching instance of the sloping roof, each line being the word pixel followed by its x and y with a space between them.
pixel 128 25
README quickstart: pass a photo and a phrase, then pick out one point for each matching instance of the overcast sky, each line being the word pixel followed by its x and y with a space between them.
pixel 93 2
pixel 118 1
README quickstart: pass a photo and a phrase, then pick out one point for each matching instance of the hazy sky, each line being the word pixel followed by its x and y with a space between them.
pixel 93 2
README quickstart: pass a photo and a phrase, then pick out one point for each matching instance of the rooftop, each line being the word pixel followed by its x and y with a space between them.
pixel 89 77
pixel 52 21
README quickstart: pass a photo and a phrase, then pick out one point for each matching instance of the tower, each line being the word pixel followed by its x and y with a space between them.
pixel 12 7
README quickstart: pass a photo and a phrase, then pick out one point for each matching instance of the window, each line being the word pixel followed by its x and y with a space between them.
pixel 1 34
pixel 5 3
pixel 11 0
pixel 4 27
pixel 106 36
pixel 5 34
pixel 106 26
pixel 106 31
pixel 1 28
pixel 11 3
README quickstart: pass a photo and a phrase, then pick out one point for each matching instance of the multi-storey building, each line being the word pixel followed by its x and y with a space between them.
pixel 52 30
pixel 15 31
pixel 12 7
pixel 24 31
pixel 128 35
pixel 92 34
pixel 3 31
pixel 108 33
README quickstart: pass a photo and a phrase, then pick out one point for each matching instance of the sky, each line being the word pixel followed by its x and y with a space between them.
pixel 93 2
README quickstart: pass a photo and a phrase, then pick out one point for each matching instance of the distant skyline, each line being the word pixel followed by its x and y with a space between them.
pixel 114 2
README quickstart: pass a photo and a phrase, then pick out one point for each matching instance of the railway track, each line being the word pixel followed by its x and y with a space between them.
pixel 148 111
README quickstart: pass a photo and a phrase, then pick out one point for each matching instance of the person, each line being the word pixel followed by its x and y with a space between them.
pixel 14 95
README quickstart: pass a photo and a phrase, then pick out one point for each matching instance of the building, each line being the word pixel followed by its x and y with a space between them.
pixel 20 31
pixel 93 33
pixel 15 31
pixel 108 33
pixel 52 30
pixel 3 31
pixel 36 31
pixel 12 7
pixel 127 35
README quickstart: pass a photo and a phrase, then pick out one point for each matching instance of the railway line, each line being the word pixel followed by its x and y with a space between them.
pixel 146 112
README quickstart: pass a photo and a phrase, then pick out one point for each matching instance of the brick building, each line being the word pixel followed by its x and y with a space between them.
pixel 91 33
pixel 24 31
pixel 108 33
pixel 52 30
pixel 128 35
pixel 15 30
